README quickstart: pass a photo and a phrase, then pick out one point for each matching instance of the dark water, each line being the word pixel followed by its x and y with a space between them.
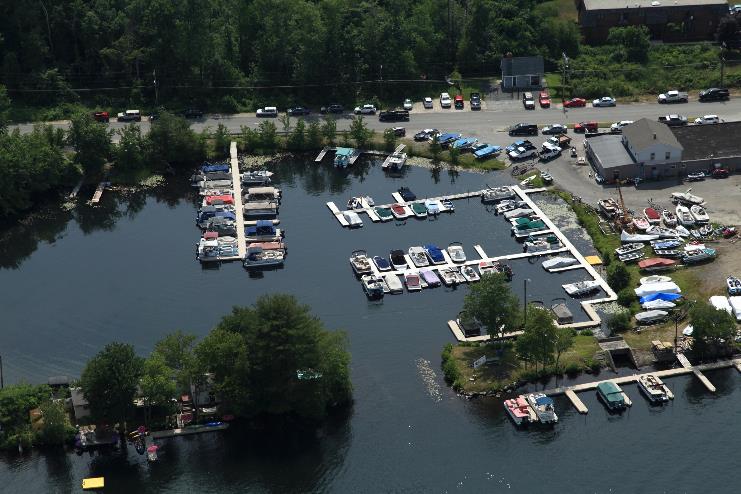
pixel 73 282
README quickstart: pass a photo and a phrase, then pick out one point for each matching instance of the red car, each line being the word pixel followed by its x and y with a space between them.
pixel 545 99
pixel 575 103
pixel 586 127
pixel 720 173
pixel 101 116
pixel 458 102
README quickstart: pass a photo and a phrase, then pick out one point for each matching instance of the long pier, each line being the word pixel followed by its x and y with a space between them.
pixel 237 184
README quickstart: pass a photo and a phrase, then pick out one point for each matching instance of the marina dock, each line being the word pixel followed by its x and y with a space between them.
pixel 98 192
pixel 186 431
pixel 237 183
pixel 322 153
pixel 337 213
pixel 687 365
pixel 460 336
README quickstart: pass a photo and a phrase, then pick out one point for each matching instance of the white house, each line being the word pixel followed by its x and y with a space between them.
pixel 651 142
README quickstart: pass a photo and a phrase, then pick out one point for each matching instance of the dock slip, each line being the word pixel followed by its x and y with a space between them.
pixel 98 192
pixel 237 184
pixel 322 154
pixel 337 213
pixel 188 430
pixel 398 149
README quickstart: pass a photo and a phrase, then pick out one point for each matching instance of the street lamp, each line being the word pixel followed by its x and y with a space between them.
pixel 524 301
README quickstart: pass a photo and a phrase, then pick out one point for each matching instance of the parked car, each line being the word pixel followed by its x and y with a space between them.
pixel 407 104
pixel 673 120
pixel 129 116
pixel 101 116
pixel 720 173
pixel 714 94
pixel 458 102
pixel 618 126
pixel 267 112
pixel 673 97
pixel 707 119
pixel 522 143
pixel 521 153
pixel 365 110
pixel 475 101
pixel 544 99
pixel 394 116
pixel 445 100
pixel 604 101
pixel 563 141
pixel 554 129
pixel 333 108
pixel 696 176
pixel 192 113
pixel 399 131
pixel 523 129
pixel 527 101
pixel 590 126
pixel 575 103
pixel 427 103
pixel 297 111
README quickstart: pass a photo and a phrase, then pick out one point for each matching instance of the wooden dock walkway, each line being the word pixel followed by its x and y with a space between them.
pixel 98 192
pixel 354 156
pixel 460 336
pixel 687 365
pixel 578 404
pixel 74 192
pixel 186 431
pixel 337 213
pixel 398 149
pixel 323 153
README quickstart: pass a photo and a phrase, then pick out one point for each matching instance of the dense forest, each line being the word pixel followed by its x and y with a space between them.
pixel 233 54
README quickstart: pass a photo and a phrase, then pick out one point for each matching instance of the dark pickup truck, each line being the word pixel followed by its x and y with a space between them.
pixel 673 120
pixel 394 116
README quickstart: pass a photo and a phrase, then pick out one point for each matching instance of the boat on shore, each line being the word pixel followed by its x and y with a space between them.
pixel 662 232
pixel 687 198
pixel 641 223
pixel 626 237
pixel 519 410
pixel 628 248
pixel 669 218
pixel 651 316
pixel 360 262
pixel 666 244
pixel 609 207
pixel 611 395
pixel 581 287
pixel 456 252
pixel 734 285
pixel 698 255
pixel 699 214
pixel 418 256
pixel 654 388
pixel 655 279
pixel 684 217
pixel 543 407
pixel 372 286
pixel 632 256
pixel 656 264
pixel 652 216
pixel 668 253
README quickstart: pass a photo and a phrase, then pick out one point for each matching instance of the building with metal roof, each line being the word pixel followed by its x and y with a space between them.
pixel 522 73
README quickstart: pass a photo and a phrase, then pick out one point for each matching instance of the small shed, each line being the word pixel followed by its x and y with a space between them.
pixel 79 403
pixel 522 73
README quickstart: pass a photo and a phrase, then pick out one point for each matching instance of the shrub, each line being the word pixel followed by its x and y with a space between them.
pixel 450 368
pixel 618 276
pixel 620 321
pixel 587 332
pixel 626 296
pixel 572 369
pixel 592 365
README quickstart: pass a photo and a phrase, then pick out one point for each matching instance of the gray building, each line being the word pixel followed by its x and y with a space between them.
pixel 522 73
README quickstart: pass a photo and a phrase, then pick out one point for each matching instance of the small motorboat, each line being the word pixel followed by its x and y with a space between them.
pixel 372 286
pixel 684 217
pixel 641 223
pixel 666 244
pixel 360 262
pixel 447 205
pixel 487 267
pixel 652 216
pixel 470 274
pixel 734 285
pixel 543 407
pixel 464 143
pixel 384 214
pixel 682 231
pixel 655 278
pixel 407 194
pixel 698 255
pixel 581 287
pixel 509 205
pixel 669 218
pixel 263 231
pixel 393 282
pixel 355 203
pixel 687 198
pixel 633 256
pixel 662 232
pixel 559 262
pixel 519 410
pixel 435 254
pixel 256 177
pixel 518 213
pixel 430 277
pixel 456 253
pixel 258 258
pixel 546 177
pixel 381 263
pixel 609 207
pixel 486 151
pixel 654 388
pixel 353 219
pixel 398 262
pixel 651 316
pixel 705 230
pixel 418 256
pixel 400 212
pixel 496 194
pixel 669 253
pixel 628 248
pixel 451 276
pixel 699 214
pixel 656 264
pixel 626 237
pixel 412 281
pixel 658 304
pixel 536 246
pixel 696 176
pixel 419 210
pixel 433 207
pixel 395 162
pixel 562 313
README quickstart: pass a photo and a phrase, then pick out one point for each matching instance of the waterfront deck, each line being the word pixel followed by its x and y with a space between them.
pixel 460 336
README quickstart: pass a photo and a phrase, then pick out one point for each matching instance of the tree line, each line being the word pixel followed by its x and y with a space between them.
pixel 273 359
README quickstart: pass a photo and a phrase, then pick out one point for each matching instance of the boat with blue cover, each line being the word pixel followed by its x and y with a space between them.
pixel 543 407
pixel 204 217
pixel 486 151
pixel 219 167
pixel 381 263
pixel 263 231
pixel 435 254
pixel 464 143
pixel 447 138
pixel 342 157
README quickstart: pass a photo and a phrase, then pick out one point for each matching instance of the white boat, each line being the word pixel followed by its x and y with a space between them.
pixel 632 256
pixel 487 267
pixel 735 303
pixel 353 219
pixel 654 388
pixel 372 286
pixel 258 258
pixel 543 407
pixel 518 213
pixel 393 282
pixel 734 285
pixel 495 194
pixel 456 253
pixel 433 206
pixel 256 177
pixel 536 246
pixel 669 218
pixel 628 248
pixel 262 194
pixel 470 274
pixel 684 217
pixel 626 237
pixel 559 262
pixel 721 303
pixel 412 281
pixel 418 256
pixel 662 232
pixel 657 287
pixel 360 262
pixel 609 207
pixel 686 197
pixel 699 214
pixel 451 276
pixel 682 231
pixel 581 287
pixel 641 223
pixel 509 205
pixel 395 162
pixel 655 278
pixel 208 250
pixel 651 316
pixel 658 304
pixel 261 209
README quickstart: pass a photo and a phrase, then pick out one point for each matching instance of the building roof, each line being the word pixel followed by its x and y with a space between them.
pixel 522 65
pixel 709 141
pixel 644 133
pixel 640 4
pixel 610 151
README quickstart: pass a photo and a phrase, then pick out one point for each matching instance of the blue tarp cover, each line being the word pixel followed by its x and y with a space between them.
pixel 543 400
pixel 669 297
pixel 214 168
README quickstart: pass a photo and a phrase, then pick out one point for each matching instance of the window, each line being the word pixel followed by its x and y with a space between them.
pixel 667 155
pixel 653 156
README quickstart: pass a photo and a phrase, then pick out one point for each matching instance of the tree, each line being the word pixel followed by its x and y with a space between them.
pixel 250 138
pixel 618 276
pixel 634 40
pixel 131 151
pixel 435 149
pixel 268 135
pixel 313 136
pixel 492 303
pixel 359 131
pixel 297 139
pixel 176 350
pixel 222 140
pixel 56 427
pixel 4 109
pixel 727 29
pixel 224 353
pixel 713 329
pixel 172 141
pixel 537 343
pixel 564 339
pixel 109 382
pixel 329 129
pixel 157 384
pixel 91 142
pixel 285 121
pixel 389 139
pixel 15 402
pixel 618 322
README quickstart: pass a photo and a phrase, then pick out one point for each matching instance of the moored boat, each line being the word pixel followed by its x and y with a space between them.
pixel 652 216
pixel 612 395
pixel 412 281
pixel 418 256
pixel 260 209
pixel 434 207
pixel 395 162
pixel 406 194
pixel 419 210
pixel 452 276
pixel 397 260
pixel 559 262
pixel 509 205
pixel 360 262
pixel 654 388
pixel 519 410
pixel 430 277
pixel 393 282
pixel 456 252
pixel 495 194
pixel 263 231
pixel 447 205
pixel 400 212
pixel 538 245
pixel 353 219
pixel 434 253
pixel 384 214
pixel 581 287
pixel 543 407
pixel 256 177
pixel 259 258
pixel 381 263
pixel 372 286
pixel 470 274
pixel 518 213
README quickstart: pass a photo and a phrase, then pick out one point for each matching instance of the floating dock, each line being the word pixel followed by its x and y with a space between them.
pixel 237 184
pixel 337 213
pixel 186 431
pixel 460 336
pixel 322 153
pixel 98 192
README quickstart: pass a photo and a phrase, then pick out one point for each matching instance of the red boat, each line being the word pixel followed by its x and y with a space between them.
pixel 656 264
pixel 652 216
pixel 222 199
pixel 400 212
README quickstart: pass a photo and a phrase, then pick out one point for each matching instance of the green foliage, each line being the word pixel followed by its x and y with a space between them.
pixel 455 155
pixel 56 428
pixel 222 140
pixel 250 138
pixel 285 121
pixel 131 152
pixel 587 332
pixel 537 344
pixel 174 143
pixel 572 368
pixel 360 132
pixel 176 350
pixel 109 382
pixel 15 402
pixel 329 129
pixel 633 40
pixel 268 135
pixel 491 302
pixel 619 322
pixel 157 385
pixel 714 329
pixel 389 140
pixel 450 367
pixel 91 142
pixel 313 135
pixel 297 139
pixel 626 297
pixel 4 108
pixel 564 339
pixel 435 149
pixel 618 276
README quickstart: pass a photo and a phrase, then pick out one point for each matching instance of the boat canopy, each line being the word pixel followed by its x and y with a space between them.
pixel 259 205
pixel 543 400
pixel 262 227
pixel 344 152
pixel 668 297
pixel 210 235
pixel 221 199
pixel 261 191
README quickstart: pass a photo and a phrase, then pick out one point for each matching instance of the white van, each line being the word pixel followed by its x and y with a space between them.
pixel 129 116
pixel 268 111
pixel 445 100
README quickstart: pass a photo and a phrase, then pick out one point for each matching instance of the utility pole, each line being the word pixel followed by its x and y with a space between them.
pixel 565 67
pixel 380 82
pixel 722 62
pixel 2 381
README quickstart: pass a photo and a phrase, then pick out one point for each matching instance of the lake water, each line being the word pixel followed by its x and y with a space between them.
pixel 72 282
